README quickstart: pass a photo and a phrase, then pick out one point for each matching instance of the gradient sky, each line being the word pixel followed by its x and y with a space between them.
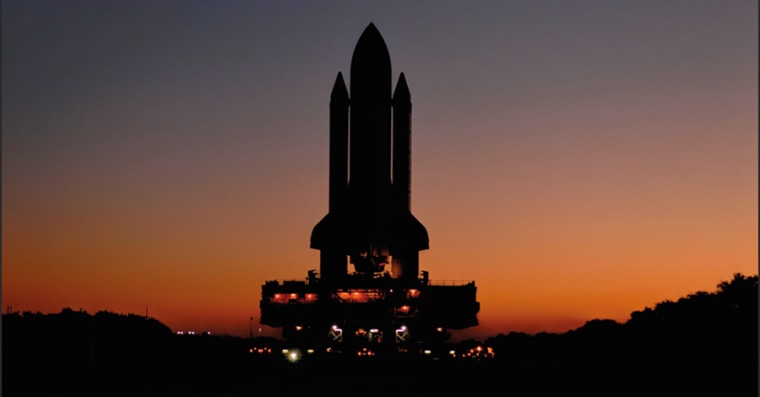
pixel 577 159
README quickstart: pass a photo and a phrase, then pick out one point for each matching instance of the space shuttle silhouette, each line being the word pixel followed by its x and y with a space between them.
pixel 369 219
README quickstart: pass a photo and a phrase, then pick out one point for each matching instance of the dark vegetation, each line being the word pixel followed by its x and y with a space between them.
pixel 703 344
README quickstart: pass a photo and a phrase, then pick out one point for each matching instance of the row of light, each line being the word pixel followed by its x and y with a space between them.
pixel 308 297
pixel 192 333
pixel 293 355
pixel 335 328
pixel 413 293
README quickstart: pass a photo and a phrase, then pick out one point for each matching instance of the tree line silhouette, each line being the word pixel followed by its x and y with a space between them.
pixel 702 344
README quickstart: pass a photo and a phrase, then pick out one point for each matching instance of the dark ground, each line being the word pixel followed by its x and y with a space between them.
pixel 378 376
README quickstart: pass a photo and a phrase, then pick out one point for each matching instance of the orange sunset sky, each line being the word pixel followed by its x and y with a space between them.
pixel 578 160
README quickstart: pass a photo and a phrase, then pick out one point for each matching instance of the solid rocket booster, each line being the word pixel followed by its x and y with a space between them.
pixel 369 219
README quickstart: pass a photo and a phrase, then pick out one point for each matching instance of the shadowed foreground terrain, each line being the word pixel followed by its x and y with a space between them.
pixel 703 344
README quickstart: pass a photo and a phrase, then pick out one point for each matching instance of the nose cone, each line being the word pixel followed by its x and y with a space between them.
pixel 370 120
pixel 370 66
